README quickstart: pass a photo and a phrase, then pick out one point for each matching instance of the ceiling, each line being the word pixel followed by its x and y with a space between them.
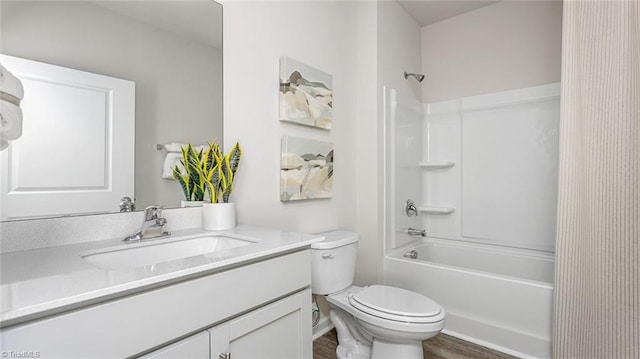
pixel 427 12
pixel 199 20
pixel 197 14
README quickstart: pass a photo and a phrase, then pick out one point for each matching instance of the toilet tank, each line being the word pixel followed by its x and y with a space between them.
pixel 333 262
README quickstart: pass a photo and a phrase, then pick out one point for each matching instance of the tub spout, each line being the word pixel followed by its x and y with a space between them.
pixel 416 232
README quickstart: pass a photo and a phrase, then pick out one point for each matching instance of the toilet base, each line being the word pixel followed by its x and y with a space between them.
pixel 344 353
pixel 351 343
pixel 384 350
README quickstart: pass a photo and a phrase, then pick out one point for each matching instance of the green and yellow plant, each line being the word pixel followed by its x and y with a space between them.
pixel 190 179
pixel 207 171
pixel 219 171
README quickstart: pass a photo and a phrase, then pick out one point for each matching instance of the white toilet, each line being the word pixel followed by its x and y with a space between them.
pixel 372 322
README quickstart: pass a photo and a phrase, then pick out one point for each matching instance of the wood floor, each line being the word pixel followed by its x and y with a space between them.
pixel 441 346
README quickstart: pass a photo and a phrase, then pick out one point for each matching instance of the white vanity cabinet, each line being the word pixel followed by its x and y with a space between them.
pixel 278 331
pixel 260 309
pixel 193 347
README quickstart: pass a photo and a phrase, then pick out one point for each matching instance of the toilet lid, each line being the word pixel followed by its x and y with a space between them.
pixel 395 304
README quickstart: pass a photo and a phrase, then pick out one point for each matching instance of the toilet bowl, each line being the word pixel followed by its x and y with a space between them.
pixel 375 321
pixel 394 321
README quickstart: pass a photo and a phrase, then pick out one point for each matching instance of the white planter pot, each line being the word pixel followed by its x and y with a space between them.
pixel 184 203
pixel 216 216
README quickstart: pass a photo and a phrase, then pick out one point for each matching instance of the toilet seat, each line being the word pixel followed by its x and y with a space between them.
pixel 396 304
pixel 405 327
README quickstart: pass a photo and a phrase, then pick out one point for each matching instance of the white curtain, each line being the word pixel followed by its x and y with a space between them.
pixel 597 307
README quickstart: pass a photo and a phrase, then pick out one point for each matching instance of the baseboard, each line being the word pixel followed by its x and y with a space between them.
pixel 323 327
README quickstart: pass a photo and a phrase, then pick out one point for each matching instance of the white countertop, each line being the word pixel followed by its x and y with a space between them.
pixel 40 282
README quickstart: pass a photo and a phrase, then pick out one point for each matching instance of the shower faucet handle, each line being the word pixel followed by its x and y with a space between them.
pixel 410 208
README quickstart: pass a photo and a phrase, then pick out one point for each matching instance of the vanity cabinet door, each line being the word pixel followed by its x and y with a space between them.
pixel 193 347
pixel 281 330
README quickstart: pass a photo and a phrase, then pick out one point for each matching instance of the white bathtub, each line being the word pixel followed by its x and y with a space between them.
pixel 500 298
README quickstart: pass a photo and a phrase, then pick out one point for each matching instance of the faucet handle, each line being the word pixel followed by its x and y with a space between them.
pixel 152 212
pixel 410 208
pixel 126 204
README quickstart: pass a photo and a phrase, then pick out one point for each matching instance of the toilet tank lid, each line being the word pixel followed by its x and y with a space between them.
pixel 335 239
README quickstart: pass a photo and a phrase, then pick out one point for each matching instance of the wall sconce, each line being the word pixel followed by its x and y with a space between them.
pixel 11 93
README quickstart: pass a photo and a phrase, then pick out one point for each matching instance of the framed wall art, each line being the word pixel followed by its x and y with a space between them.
pixel 306 94
pixel 306 169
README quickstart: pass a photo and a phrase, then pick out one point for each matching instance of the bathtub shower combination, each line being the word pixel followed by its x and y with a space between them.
pixel 479 175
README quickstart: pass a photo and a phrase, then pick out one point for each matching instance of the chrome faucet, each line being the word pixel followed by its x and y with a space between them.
pixel 151 226
pixel 410 208
pixel 127 204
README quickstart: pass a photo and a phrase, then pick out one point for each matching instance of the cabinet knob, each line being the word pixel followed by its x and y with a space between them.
pixel 224 356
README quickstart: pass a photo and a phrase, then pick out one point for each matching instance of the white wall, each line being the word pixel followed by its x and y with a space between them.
pixel 368 144
pixel 504 46
pixel 256 35
pixel 336 37
pixel 178 92
pixel 344 39
pixel 399 44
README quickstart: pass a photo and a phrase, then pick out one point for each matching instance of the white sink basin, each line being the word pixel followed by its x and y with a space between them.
pixel 158 251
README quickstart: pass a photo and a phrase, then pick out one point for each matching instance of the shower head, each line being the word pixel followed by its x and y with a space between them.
pixel 418 77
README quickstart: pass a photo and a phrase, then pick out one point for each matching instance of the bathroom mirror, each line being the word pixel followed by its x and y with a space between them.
pixel 170 50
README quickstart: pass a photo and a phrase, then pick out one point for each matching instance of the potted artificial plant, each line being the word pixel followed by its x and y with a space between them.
pixel 218 173
pixel 189 176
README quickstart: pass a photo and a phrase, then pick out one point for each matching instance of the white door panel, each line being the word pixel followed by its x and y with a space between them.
pixel 87 172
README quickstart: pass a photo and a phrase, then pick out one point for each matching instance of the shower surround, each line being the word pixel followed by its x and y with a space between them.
pixel 482 171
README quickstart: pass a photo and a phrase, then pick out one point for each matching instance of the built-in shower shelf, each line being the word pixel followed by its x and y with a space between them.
pixel 436 210
pixel 436 164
